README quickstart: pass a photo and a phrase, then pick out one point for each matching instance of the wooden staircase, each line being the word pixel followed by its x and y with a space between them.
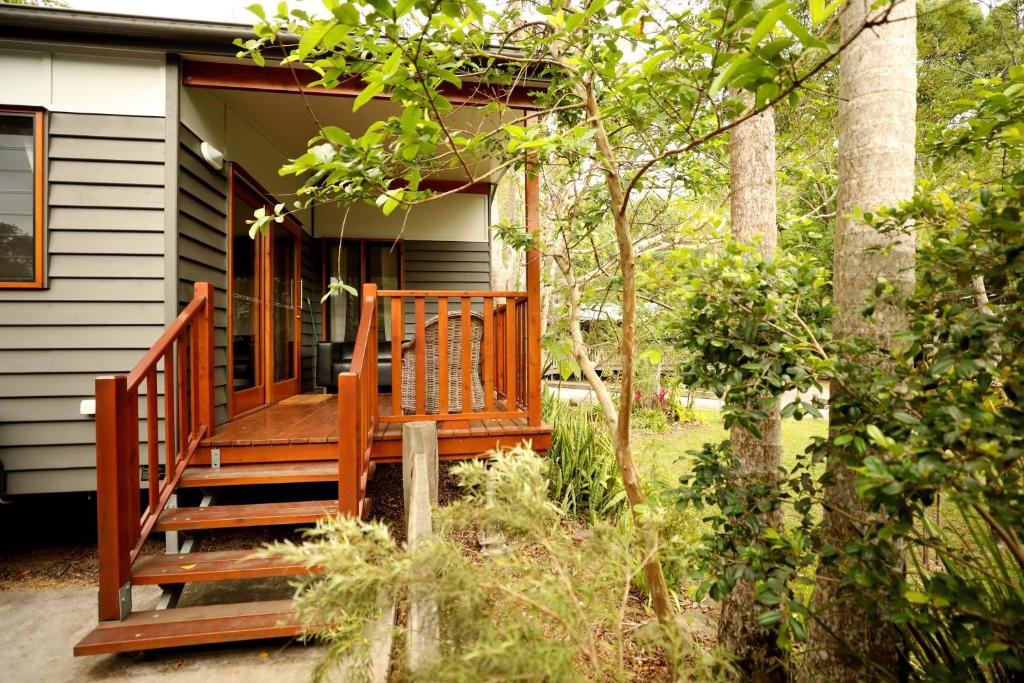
pixel 222 623
pixel 164 408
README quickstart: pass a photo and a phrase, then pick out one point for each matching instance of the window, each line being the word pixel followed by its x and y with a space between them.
pixel 356 262
pixel 21 198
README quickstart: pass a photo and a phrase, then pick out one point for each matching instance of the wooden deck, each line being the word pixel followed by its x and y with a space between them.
pixel 305 427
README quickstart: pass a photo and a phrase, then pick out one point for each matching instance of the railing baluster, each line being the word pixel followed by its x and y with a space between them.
pixel 169 450
pixel 152 439
pixel 421 364
pixel 182 399
pixel 510 350
pixel 499 346
pixel 442 355
pixel 397 334
pixel 487 354
pixel 466 322
pixel 193 384
pixel 134 471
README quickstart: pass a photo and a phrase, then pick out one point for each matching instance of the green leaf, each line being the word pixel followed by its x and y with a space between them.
pixel 819 11
pixel 311 38
pixel 722 79
pixel 876 434
pixel 768 22
pixel 916 597
pixel 368 93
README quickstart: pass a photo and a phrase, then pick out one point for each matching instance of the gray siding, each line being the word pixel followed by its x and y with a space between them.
pixel 103 305
pixel 202 246
pixel 311 293
pixel 444 265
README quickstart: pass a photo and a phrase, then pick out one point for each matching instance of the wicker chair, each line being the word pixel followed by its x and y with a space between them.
pixel 454 366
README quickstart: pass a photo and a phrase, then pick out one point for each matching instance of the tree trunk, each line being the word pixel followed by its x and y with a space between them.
pixel 627 352
pixel 753 211
pixel 850 641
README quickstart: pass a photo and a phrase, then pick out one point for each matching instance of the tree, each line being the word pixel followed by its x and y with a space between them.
pixel 848 641
pixel 752 208
pixel 630 90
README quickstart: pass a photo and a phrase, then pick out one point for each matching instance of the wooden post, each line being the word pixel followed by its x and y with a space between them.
pixel 114 487
pixel 533 263
pixel 204 371
pixel 348 444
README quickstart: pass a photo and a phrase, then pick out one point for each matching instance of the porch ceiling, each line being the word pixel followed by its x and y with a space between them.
pixel 285 119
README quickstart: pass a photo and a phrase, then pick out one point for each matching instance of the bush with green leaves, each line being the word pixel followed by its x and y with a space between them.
pixel 557 605
pixel 583 476
pixel 934 415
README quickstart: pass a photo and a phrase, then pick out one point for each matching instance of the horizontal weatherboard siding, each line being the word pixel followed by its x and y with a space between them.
pixel 202 246
pixel 103 305
pixel 444 265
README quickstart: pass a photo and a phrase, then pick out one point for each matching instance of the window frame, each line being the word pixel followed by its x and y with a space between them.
pixel 38 200
pixel 326 244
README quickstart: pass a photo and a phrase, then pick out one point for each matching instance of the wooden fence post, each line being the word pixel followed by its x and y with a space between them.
pixel 348 444
pixel 204 342
pixel 114 488
pixel 533 263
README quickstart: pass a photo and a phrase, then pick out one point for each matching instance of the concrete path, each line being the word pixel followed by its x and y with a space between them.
pixel 39 628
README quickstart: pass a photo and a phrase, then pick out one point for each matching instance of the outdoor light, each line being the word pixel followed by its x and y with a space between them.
pixel 213 156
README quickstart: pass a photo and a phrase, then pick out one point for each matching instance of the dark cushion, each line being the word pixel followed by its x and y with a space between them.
pixel 333 358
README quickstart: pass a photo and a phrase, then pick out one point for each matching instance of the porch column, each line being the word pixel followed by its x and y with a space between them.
pixel 533 263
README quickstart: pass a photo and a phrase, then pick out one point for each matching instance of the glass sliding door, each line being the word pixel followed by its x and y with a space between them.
pixel 356 262
pixel 285 310
pixel 247 387
pixel 265 310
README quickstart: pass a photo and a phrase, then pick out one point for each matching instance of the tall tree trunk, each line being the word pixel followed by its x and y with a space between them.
pixel 850 641
pixel 753 210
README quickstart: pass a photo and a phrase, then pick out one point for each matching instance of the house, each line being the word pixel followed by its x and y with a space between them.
pixel 148 345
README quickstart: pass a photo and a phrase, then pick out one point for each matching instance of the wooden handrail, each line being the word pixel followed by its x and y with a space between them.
pixel 451 294
pixel 186 350
pixel 171 334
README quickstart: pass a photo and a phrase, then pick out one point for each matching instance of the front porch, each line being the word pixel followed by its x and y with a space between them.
pixel 305 428
pixel 478 377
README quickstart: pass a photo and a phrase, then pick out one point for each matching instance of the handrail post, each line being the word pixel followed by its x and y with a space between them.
pixel 348 444
pixel 114 487
pixel 205 343
pixel 533 321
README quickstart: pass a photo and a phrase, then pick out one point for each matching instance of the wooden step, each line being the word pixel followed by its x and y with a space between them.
pixel 213 566
pixel 260 473
pixel 259 514
pixel 184 626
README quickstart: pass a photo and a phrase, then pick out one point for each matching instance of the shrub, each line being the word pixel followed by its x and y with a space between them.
pixel 583 477
pixel 556 606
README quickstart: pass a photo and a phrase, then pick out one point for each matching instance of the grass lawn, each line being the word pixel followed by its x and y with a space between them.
pixel 664 456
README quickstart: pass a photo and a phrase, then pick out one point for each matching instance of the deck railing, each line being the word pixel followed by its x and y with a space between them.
pixel 357 410
pixel 184 356
pixel 508 351
pixel 503 361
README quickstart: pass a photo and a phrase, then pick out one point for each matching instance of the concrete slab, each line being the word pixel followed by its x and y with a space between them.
pixel 39 628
